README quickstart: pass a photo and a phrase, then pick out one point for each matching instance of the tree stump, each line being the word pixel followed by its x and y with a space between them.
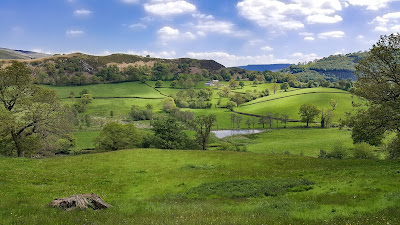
pixel 83 201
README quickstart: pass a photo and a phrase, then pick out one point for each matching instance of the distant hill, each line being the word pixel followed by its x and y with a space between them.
pixel 80 69
pixel 331 67
pixel 261 68
pixel 6 53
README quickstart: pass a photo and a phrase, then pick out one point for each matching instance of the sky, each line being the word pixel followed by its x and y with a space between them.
pixel 232 32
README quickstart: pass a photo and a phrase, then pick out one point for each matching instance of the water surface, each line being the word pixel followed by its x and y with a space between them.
pixel 226 133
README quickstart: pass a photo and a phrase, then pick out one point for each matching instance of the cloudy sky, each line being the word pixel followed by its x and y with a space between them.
pixel 232 32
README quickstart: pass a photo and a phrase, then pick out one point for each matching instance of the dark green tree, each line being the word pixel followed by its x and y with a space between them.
pixel 378 82
pixel 168 134
pixel 116 136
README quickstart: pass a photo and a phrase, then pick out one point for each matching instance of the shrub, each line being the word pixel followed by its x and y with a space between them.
pixel 363 151
pixel 394 148
pixel 339 151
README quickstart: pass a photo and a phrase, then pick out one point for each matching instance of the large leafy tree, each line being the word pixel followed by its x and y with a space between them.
pixel 308 113
pixel 378 82
pixel 31 117
pixel 115 136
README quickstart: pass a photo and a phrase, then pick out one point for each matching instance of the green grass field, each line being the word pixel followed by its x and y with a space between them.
pixel 127 89
pixel 290 102
pixel 165 187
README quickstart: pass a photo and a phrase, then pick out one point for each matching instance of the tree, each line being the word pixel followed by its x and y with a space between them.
pixel 238 120
pixel 326 117
pixel 159 83
pixel 241 84
pixel 168 134
pixel 308 113
pixel 202 125
pixel 269 118
pixel 285 86
pixel 253 121
pixel 263 121
pixel 173 84
pixel 230 105
pixel 32 118
pixel 285 119
pixel 274 87
pixel 233 83
pixel 248 122
pixel 333 103
pixel 168 104
pixel 116 136
pixel 378 82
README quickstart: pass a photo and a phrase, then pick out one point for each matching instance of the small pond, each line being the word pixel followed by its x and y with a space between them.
pixel 226 133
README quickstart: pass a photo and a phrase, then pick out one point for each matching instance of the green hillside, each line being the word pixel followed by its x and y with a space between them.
pixel 333 67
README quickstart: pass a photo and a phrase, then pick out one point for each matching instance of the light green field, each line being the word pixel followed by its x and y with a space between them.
pixel 85 139
pixel 283 103
pixel 127 89
pixel 297 141
pixel 151 186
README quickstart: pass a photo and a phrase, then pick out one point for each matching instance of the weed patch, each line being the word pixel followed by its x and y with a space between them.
pixel 248 188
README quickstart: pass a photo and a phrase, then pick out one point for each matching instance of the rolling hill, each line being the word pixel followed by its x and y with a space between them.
pixel 6 53
pixel 331 67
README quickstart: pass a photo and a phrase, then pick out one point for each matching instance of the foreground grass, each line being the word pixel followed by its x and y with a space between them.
pixel 151 186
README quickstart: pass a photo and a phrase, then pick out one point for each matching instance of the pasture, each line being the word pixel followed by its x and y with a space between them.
pixel 149 186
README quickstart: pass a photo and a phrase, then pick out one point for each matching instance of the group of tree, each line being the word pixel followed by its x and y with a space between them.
pixel 194 99
pixel 166 133
pixel 309 112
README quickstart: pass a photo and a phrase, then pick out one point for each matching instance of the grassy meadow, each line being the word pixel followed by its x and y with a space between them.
pixel 147 186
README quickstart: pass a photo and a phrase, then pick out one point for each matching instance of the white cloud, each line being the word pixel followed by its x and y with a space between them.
pixel 306 34
pixel 309 38
pixel 301 57
pixel 82 12
pixel 202 16
pixel 168 33
pixel 137 26
pixel 323 19
pixel 387 23
pixel 130 1
pixel 267 48
pixel 331 34
pixel 74 33
pixel 215 26
pixel 279 14
pixel 230 60
pixel 162 54
pixel 169 7
pixel 370 4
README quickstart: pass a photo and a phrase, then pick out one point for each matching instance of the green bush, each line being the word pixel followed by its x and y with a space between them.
pixel 339 151
pixel 363 151
pixel 394 148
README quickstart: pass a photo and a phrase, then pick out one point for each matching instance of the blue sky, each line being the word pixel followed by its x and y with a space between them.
pixel 232 32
